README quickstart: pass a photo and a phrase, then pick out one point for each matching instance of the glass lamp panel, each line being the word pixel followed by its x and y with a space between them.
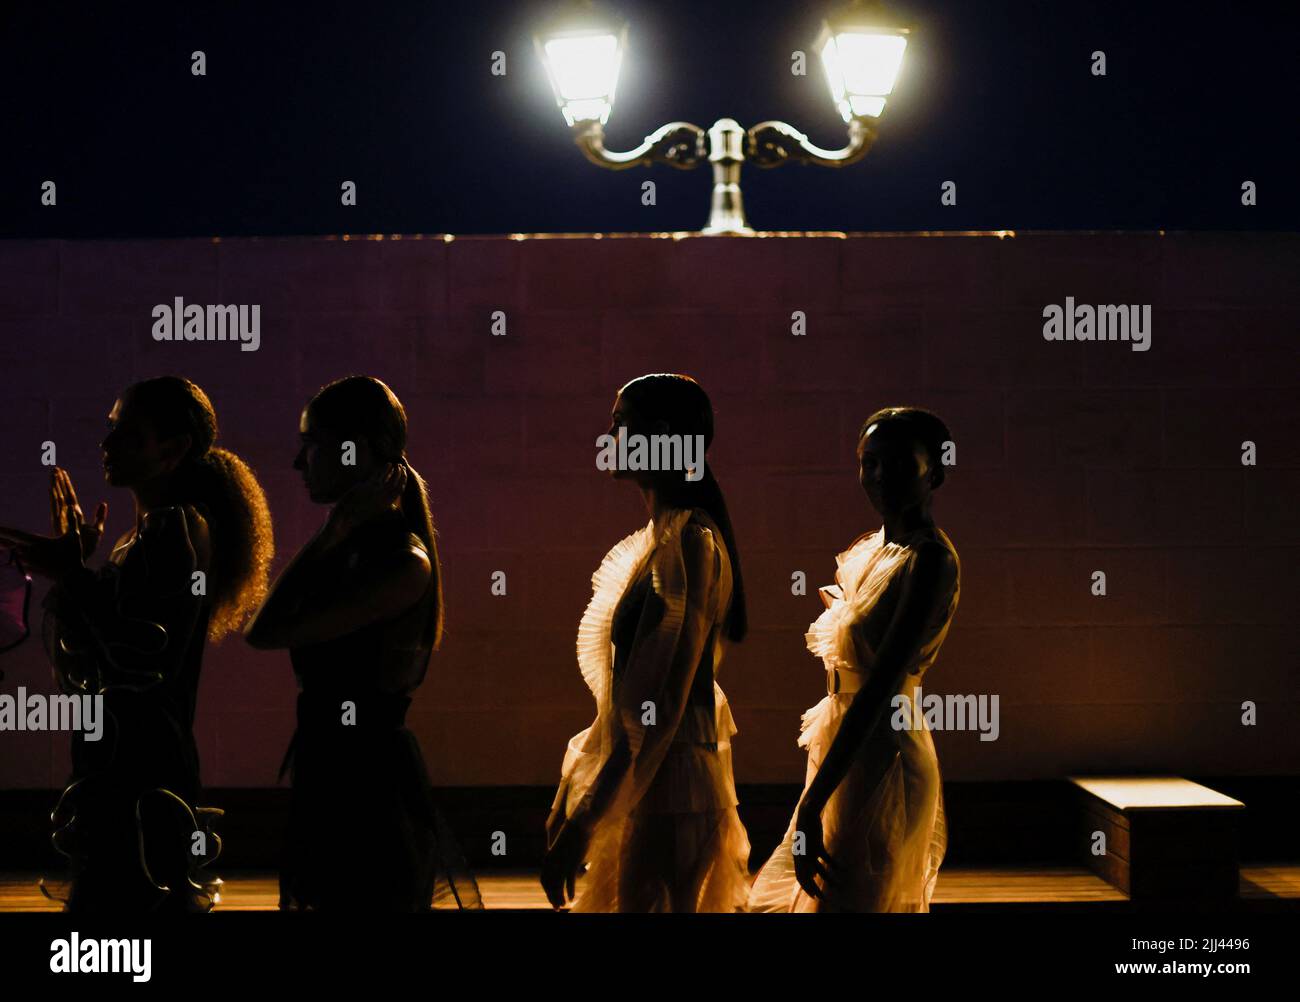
pixel 834 77
pixel 866 107
pixel 583 68
pixel 592 110
pixel 870 62
pixel 861 69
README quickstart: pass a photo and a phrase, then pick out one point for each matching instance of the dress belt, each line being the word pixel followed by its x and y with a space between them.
pixel 841 680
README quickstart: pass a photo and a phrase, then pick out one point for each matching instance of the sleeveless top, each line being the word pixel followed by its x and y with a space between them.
pixel 375 668
pixel 633 624
pixel 390 656
pixel 867 588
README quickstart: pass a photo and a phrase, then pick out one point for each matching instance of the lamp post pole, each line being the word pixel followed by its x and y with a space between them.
pixel 727 154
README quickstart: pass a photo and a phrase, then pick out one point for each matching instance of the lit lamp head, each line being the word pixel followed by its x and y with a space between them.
pixel 862 49
pixel 582 51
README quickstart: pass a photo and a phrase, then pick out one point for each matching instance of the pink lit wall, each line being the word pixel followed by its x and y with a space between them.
pixel 1071 458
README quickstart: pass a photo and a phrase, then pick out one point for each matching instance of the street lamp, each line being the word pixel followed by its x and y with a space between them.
pixel 582 59
pixel 861 48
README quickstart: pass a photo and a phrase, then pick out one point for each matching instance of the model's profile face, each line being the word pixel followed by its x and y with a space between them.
pixel 320 459
pixel 893 470
pixel 133 452
pixel 624 415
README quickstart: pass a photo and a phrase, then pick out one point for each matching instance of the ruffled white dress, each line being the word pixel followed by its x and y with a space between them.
pixel 671 839
pixel 885 822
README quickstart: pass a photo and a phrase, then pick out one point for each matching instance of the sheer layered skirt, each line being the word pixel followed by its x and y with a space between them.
pixel 884 825
pixel 683 848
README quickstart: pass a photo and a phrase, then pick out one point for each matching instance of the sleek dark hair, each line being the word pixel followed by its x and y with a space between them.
pixel 224 487
pixel 364 407
pixel 920 426
pixel 681 403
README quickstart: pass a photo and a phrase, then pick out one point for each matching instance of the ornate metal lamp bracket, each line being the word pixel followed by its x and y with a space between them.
pixel 682 145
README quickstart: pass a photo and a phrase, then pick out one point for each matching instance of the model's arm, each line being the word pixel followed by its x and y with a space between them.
pixel 924 588
pixel 674 627
pixel 133 621
pixel 301 609
pixel 290 589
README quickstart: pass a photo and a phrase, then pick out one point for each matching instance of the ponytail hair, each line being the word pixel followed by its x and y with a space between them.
pixel 419 520
pixel 682 404
pixel 225 489
pixel 364 407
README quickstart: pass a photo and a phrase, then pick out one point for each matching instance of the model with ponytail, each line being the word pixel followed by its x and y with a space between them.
pixel 192 567
pixel 647 797
pixel 360 610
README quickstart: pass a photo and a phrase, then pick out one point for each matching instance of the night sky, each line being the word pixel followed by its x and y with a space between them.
pixel 997 96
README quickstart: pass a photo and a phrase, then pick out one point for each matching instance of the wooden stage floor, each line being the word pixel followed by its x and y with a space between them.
pixel 1263 886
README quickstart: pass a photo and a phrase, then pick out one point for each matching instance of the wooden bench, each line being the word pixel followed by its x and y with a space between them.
pixel 1166 838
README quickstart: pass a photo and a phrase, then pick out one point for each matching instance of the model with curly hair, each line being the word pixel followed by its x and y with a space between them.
pixel 192 568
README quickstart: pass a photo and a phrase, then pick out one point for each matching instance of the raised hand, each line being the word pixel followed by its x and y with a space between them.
pixel 73 540
pixel 66 515
pixel 373 496
pixel 48 556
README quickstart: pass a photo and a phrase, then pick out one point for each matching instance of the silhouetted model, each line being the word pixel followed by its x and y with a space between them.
pixel 869 832
pixel 360 609
pixel 195 564
pixel 647 796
